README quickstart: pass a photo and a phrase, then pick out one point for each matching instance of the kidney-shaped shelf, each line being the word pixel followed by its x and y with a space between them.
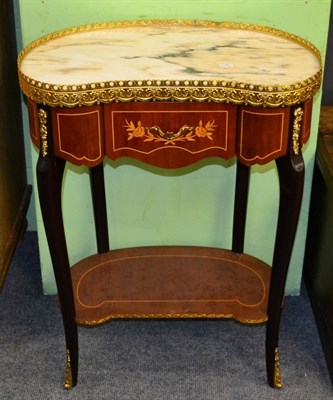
pixel 170 282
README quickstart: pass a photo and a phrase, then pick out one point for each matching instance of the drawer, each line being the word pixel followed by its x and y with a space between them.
pixel 170 135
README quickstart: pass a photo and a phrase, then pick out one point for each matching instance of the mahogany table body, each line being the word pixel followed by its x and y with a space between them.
pixel 170 124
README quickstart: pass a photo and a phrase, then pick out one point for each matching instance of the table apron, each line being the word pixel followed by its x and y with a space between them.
pixel 170 134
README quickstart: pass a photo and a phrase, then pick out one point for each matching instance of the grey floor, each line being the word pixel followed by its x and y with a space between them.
pixel 148 360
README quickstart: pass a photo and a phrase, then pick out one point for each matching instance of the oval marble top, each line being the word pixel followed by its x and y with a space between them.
pixel 170 60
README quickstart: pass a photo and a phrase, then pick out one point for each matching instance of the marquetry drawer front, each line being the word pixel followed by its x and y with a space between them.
pixel 170 135
pixel 79 134
pixel 262 134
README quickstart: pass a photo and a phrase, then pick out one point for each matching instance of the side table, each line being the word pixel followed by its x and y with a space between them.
pixel 170 93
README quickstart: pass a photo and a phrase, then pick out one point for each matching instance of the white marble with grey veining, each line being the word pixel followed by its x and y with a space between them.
pixel 170 53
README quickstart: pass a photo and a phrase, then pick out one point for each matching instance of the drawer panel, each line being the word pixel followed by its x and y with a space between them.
pixel 79 134
pixel 169 136
pixel 33 122
pixel 306 123
pixel 262 134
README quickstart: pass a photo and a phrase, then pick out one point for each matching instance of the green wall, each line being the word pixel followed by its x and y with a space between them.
pixel 191 205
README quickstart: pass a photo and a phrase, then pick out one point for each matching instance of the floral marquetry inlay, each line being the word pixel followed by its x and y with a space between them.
pixel 156 134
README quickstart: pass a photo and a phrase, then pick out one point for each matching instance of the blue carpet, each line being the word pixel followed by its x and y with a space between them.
pixel 148 360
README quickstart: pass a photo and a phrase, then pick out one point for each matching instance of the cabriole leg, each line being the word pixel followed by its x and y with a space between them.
pixel 291 176
pixel 49 178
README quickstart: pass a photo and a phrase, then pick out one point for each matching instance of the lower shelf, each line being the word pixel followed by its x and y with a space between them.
pixel 170 282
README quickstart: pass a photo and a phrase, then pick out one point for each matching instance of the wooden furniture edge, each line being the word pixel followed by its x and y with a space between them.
pixel 18 230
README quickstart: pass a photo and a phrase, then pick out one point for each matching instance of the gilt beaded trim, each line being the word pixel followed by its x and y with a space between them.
pixel 170 90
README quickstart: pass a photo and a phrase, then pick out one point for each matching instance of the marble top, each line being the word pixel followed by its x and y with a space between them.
pixel 167 56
